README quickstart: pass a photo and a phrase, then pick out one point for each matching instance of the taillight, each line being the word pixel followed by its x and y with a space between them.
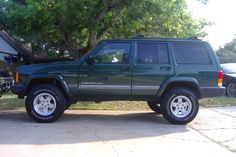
pixel 220 78
pixel 17 77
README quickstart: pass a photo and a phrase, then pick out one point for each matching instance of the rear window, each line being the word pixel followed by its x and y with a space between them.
pixel 191 54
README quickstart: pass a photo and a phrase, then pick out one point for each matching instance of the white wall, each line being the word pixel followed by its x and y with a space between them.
pixel 5 47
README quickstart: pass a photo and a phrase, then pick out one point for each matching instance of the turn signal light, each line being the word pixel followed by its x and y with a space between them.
pixel 17 77
pixel 220 78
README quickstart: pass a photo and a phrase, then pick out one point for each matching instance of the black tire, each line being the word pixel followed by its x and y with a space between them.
pixel 231 89
pixel 154 106
pixel 42 99
pixel 179 106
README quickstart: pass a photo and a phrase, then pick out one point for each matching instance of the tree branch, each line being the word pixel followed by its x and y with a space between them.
pixel 102 32
pixel 61 28
pixel 107 7
pixel 92 39
pixel 65 36
pixel 95 36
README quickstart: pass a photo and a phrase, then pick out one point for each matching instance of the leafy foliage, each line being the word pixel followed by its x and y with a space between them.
pixel 78 25
pixel 227 53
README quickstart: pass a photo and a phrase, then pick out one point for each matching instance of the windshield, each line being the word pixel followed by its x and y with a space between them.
pixel 229 68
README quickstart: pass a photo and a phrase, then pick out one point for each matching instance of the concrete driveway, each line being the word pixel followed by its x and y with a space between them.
pixel 118 134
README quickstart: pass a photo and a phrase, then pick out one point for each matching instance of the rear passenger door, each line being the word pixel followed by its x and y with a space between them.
pixel 152 65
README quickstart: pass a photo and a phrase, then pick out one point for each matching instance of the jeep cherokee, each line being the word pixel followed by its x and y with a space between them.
pixel 170 74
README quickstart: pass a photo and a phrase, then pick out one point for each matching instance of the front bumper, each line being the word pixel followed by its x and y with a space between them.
pixel 5 84
pixel 212 91
pixel 19 90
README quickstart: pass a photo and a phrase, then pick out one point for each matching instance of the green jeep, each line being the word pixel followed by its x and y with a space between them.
pixel 170 74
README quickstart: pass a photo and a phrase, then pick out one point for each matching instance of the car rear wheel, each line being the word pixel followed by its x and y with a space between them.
pixel 231 89
pixel 45 103
pixel 180 106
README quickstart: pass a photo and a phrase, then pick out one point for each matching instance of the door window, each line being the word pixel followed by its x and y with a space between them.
pixel 152 53
pixel 113 53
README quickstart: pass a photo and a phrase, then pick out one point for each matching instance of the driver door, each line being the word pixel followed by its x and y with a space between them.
pixel 109 74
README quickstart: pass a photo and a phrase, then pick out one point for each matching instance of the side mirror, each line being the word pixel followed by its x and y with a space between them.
pixel 90 60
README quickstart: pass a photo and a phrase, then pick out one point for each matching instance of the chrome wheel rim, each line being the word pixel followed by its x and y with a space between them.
pixel 181 106
pixel 44 104
pixel 231 89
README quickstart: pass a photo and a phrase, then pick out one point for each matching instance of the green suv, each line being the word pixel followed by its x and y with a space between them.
pixel 170 74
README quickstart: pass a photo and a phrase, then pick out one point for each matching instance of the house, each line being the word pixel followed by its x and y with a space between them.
pixel 12 51
pixel 13 54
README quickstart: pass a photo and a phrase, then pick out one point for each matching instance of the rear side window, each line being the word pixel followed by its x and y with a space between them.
pixel 152 53
pixel 191 54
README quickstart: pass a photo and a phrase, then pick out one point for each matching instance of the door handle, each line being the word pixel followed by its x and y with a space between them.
pixel 165 68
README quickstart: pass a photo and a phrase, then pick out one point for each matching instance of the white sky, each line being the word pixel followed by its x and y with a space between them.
pixel 222 13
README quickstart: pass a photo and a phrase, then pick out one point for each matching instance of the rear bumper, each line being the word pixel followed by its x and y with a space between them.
pixel 19 90
pixel 212 91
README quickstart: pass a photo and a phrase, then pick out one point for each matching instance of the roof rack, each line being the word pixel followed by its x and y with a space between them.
pixel 194 38
pixel 140 36
pixel 143 37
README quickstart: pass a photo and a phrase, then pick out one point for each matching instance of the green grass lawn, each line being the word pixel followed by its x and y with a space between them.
pixel 10 102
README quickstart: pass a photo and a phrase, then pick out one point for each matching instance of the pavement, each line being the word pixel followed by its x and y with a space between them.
pixel 118 134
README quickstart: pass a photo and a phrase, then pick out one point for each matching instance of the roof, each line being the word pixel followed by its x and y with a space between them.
pixel 14 44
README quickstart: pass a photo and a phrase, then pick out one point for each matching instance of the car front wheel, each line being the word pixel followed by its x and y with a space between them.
pixel 45 103
pixel 180 106
pixel 154 106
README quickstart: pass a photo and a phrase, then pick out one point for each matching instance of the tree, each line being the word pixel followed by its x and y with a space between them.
pixel 227 53
pixel 78 25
